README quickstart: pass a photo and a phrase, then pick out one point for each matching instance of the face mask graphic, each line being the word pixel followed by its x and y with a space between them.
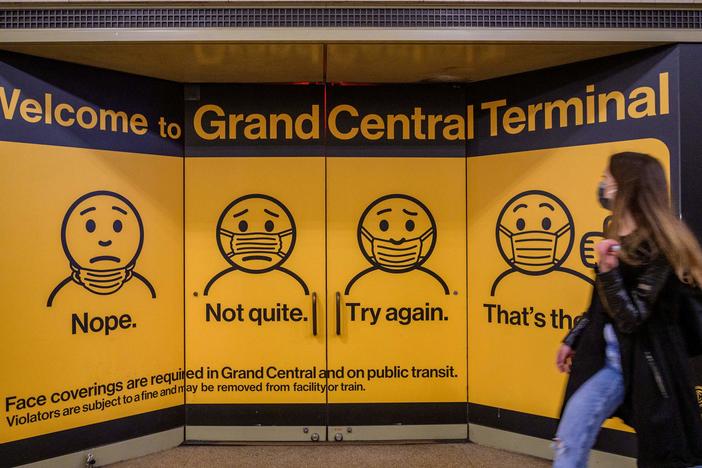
pixel 101 281
pixel 534 250
pixel 397 255
pixel 257 244
pixel 604 201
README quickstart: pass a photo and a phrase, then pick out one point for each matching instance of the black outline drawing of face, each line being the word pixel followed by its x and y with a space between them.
pixel 535 212
pixel 395 219
pixel 102 231
pixel 260 229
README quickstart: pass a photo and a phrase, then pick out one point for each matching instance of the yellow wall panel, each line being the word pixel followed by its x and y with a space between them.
pixel 53 350
pixel 533 221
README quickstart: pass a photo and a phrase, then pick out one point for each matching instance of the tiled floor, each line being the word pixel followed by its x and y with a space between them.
pixel 308 456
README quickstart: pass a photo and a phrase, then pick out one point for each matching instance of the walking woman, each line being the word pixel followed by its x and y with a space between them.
pixel 632 357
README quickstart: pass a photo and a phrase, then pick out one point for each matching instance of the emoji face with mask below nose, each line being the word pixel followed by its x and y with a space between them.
pixel 256 233
pixel 535 232
pixel 102 235
pixel 396 233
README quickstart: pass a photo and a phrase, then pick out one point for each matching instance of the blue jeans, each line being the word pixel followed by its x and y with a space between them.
pixel 588 408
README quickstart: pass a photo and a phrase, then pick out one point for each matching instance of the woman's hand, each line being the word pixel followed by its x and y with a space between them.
pixel 564 358
pixel 608 254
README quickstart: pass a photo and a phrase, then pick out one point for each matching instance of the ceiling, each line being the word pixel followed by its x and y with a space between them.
pixel 193 62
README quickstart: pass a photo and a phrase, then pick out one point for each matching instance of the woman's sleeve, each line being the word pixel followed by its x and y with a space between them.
pixel 628 310
pixel 573 337
pixel 690 318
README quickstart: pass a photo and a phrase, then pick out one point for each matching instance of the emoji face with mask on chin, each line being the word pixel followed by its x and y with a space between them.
pixel 102 235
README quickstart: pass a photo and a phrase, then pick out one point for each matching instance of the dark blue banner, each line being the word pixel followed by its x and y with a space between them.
pixel 254 120
pixel 56 103
pixel 396 120
pixel 623 97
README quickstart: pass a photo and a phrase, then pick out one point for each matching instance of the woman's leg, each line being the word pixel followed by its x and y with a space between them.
pixel 587 409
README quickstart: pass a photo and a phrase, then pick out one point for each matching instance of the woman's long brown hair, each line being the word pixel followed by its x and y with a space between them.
pixel 642 193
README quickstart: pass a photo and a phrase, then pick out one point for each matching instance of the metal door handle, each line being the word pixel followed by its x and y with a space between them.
pixel 338 313
pixel 314 313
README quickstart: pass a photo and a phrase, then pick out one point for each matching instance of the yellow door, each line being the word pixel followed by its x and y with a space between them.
pixel 396 261
pixel 255 343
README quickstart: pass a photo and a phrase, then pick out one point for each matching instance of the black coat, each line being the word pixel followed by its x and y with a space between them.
pixel 660 403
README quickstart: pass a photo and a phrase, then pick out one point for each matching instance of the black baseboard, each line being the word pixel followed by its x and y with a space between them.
pixel 335 414
pixel 609 440
pixel 60 443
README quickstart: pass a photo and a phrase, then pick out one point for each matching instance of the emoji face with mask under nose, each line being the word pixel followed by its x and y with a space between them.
pixel 396 233
pixel 535 232
pixel 102 235
pixel 256 233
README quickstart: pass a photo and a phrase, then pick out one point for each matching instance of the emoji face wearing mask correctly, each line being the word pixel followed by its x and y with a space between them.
pixel 535 232
pixel 256 233
pixel 102 235
pixel 396 233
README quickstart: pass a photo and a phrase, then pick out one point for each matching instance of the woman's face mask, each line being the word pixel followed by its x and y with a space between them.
pixel 604 201
pixel 397 255
pixel 606 190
